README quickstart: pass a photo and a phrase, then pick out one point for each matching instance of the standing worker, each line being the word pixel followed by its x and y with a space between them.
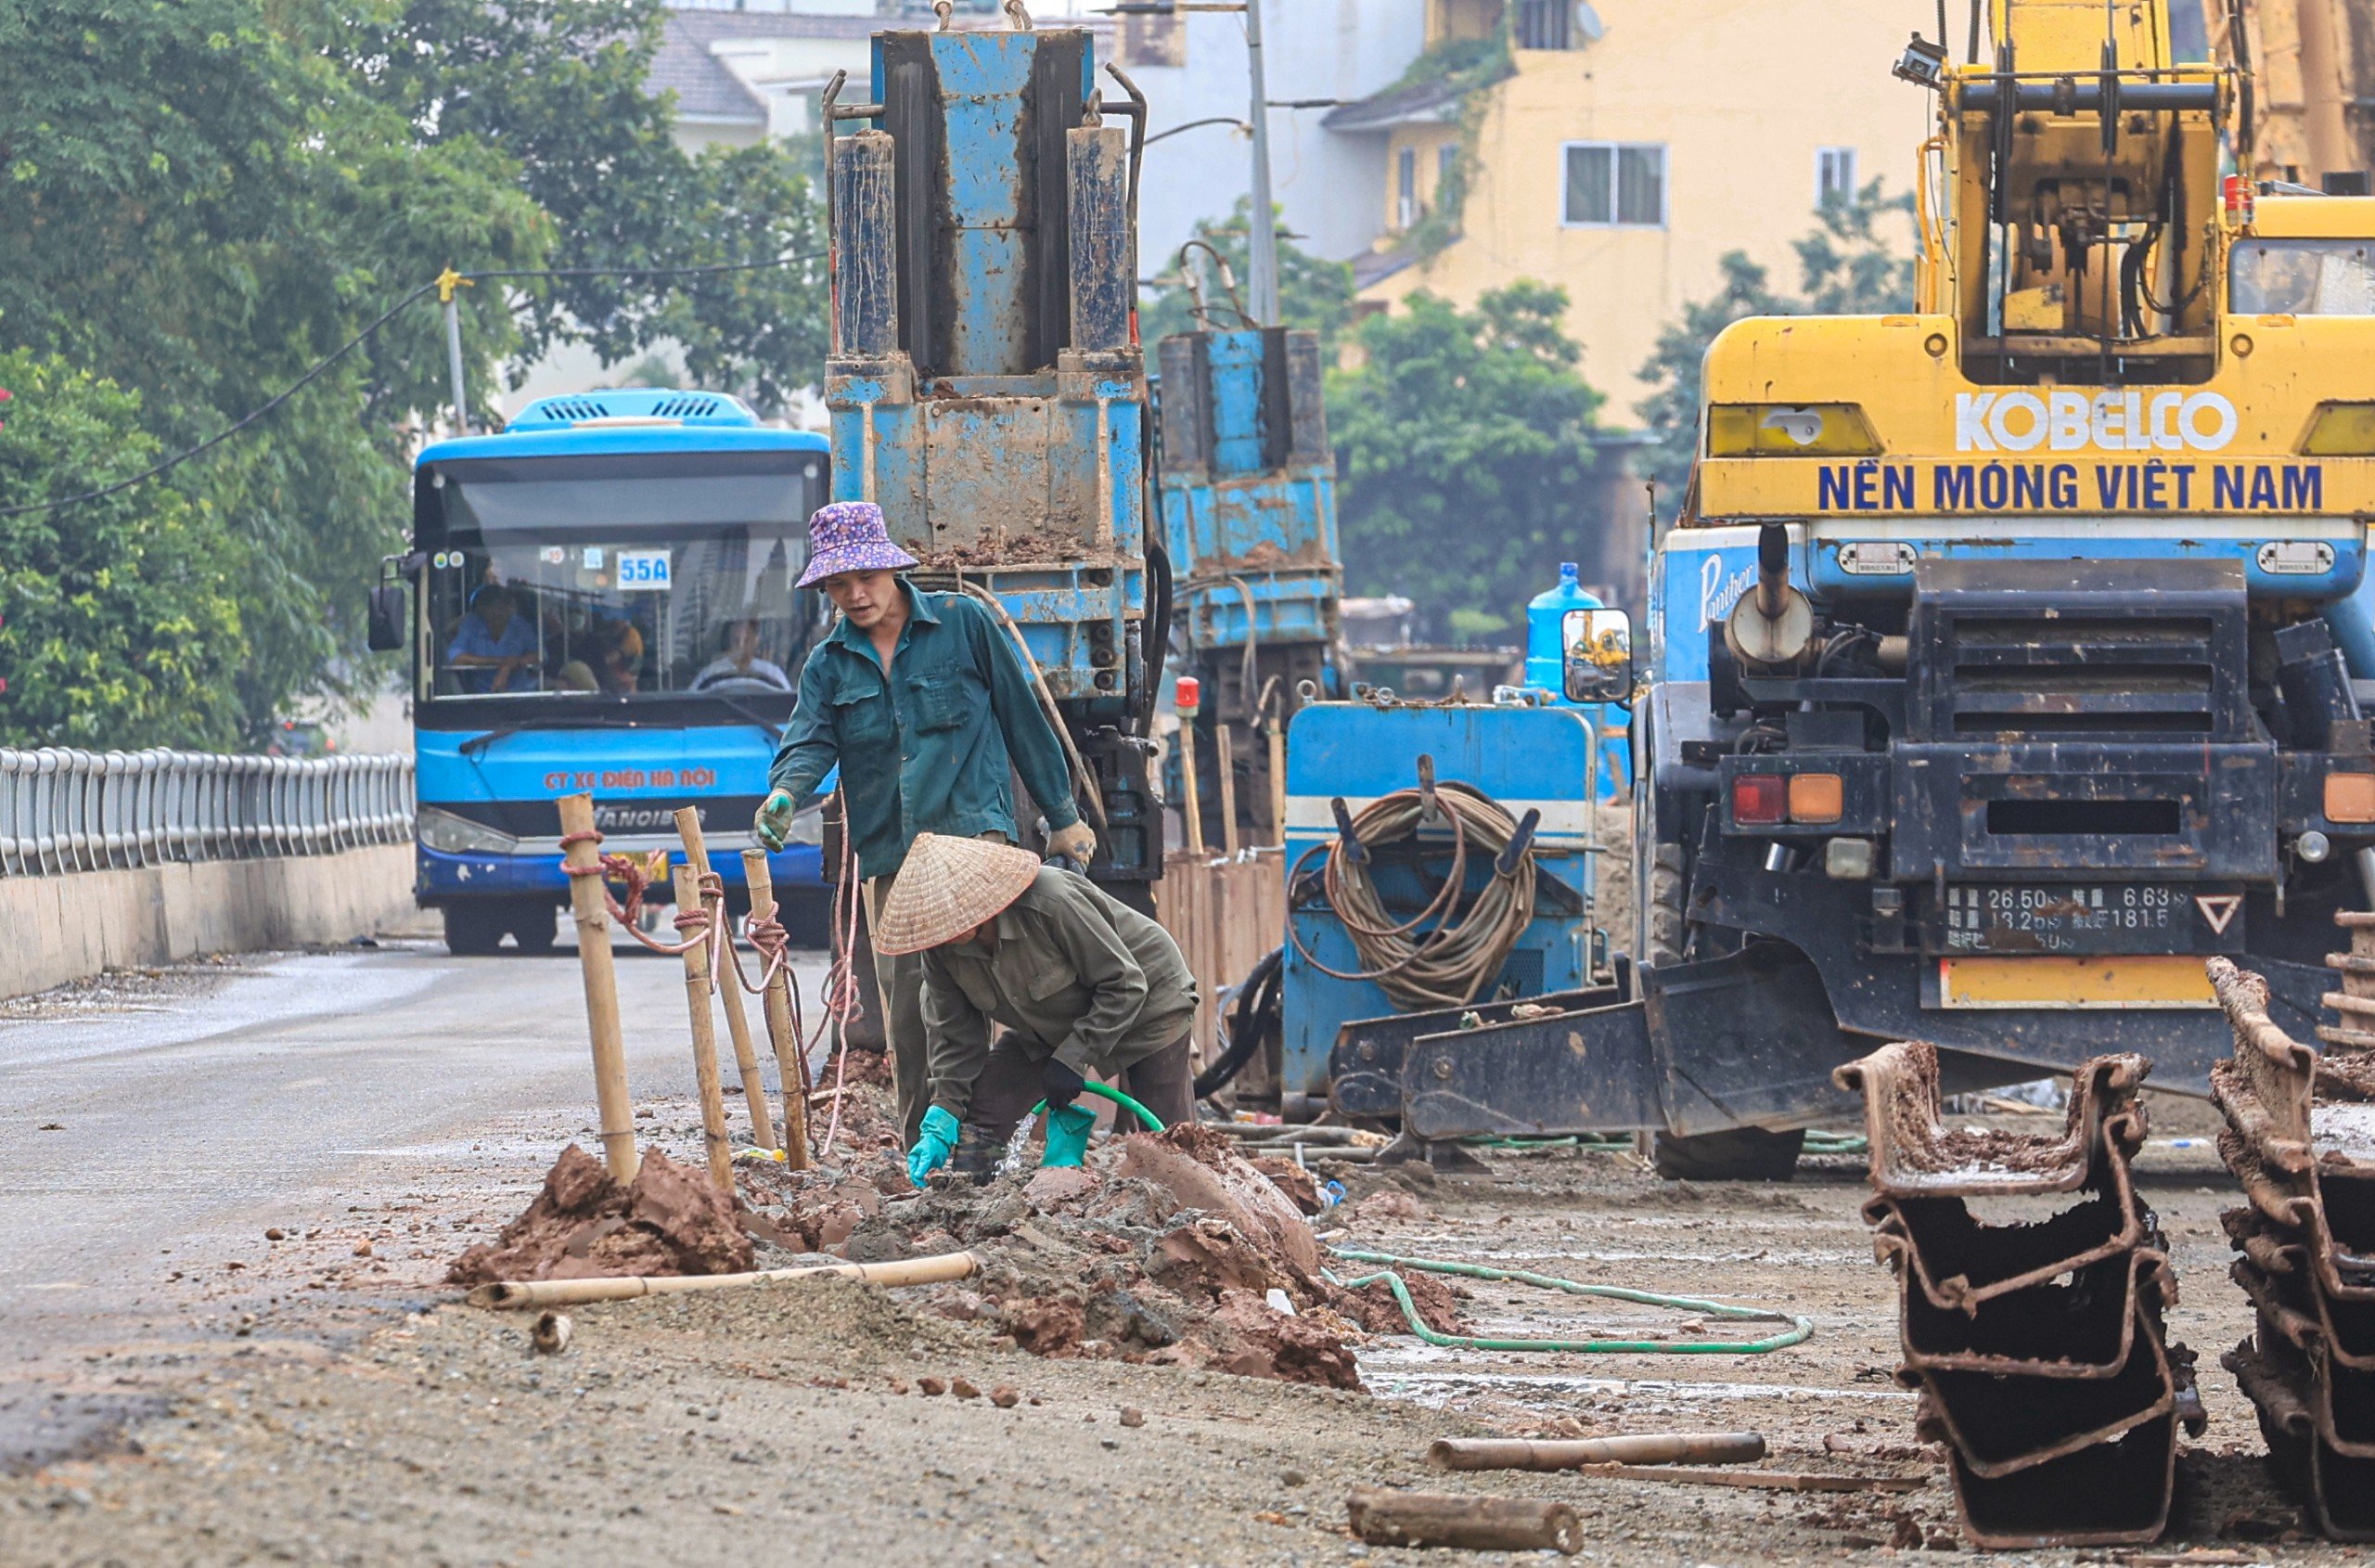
pixel 1083 984
pixel 923 703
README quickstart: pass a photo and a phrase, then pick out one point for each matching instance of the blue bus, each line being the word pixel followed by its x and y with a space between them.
pixel 604 602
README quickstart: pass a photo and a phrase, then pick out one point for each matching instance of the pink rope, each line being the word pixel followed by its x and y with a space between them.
pixel 840 998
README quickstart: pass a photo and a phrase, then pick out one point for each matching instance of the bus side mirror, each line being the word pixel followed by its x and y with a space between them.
pixel 1598 655
pixel 384 621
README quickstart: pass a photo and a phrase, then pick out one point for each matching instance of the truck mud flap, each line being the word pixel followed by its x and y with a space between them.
pixel 1742 1039
pixel 1365 1065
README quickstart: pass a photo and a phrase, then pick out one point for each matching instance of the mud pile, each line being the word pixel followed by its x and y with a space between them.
pixel 671 1219
pixel 1166 1249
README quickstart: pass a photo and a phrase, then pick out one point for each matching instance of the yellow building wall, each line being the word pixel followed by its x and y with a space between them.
pixel 1741 93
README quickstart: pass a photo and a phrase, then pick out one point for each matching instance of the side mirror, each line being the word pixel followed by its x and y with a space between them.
pixel 1598 655
pixel 384 618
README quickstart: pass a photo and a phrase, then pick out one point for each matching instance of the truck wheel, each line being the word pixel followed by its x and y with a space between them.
pixel 1669 884
pixel 534 925
pixel 1739 1154
pixel 473 931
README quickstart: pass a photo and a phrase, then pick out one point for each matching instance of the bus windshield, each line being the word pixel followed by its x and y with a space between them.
pixel 639 576
pixel 2302 277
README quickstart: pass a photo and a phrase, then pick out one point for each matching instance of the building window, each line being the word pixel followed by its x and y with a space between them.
pixel 1405 187
pixel 1621 184
pixel 1834 175
pixel 1446 155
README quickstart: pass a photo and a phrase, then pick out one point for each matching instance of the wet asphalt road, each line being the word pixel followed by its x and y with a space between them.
pixel 151 1128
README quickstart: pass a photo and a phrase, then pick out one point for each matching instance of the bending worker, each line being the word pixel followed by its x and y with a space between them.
pixel 1083 984
pixel 923 702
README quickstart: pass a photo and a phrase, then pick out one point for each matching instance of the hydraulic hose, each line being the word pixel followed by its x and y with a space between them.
pixel 1798 1332
pixel 1106 1092
pixel 1449 964
pixel 1252 1020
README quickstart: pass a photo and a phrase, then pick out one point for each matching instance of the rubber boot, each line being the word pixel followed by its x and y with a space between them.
pixel 976 1157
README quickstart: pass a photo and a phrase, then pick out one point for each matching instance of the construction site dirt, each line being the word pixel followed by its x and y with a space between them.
pixel 843 1421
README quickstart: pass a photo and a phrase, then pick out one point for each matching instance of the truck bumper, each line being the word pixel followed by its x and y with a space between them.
pixel 439 879
pixel 1750 1039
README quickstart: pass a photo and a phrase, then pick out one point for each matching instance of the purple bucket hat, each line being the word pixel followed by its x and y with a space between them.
pixel 850 536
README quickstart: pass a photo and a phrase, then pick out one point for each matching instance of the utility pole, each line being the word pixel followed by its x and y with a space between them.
pixel 1263 241
pixel 447 282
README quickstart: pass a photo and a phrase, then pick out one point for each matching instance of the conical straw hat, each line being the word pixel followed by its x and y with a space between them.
pixel 948 886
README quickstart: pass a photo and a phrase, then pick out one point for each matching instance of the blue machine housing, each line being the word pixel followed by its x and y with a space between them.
pixel 1248 488
pixel 985 385
pixel 1523 757
pixel 488 781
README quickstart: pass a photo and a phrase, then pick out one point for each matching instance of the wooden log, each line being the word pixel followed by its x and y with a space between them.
pixel 616 1112
pixel 1652 1448
pixel 1386 1518
pixel 1227 763
pixel 508 1294
pixel 791 1066
pixel 704 1019
pixel 737 1020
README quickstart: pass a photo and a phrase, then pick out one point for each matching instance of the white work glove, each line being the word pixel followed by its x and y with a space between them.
pixel 1076 844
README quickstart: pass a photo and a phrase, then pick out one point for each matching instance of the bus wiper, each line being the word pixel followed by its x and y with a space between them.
pixel 478 743
pixel 747 715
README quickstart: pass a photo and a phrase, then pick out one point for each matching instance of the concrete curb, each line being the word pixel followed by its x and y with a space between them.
pixel 71 927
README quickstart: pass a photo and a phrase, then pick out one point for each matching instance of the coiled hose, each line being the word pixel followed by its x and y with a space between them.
pixel 1448 964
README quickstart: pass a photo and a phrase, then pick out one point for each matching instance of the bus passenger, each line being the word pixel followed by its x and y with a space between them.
pixel 495 647
pixel 924 704
pixel 738 667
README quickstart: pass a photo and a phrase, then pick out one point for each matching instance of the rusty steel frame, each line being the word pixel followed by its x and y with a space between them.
pixel 2038 1349
pixel 2306 1235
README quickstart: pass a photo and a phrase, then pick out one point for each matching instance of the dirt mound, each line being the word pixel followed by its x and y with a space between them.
pixel 1166 1249
pixel 669 1220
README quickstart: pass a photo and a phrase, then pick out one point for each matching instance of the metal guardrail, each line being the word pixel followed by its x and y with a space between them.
pixel 63 810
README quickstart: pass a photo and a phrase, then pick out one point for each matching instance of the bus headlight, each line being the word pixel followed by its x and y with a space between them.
pixel 1784 430
pixel 449 834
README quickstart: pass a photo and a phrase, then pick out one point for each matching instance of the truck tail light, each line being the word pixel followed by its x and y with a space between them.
pixel 1761 799
pixel 1816 797
pixel 2350 797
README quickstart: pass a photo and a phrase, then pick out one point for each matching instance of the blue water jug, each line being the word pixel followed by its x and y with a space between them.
pixel 1545 648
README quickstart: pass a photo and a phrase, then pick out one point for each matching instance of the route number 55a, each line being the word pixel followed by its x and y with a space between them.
pixel 643 570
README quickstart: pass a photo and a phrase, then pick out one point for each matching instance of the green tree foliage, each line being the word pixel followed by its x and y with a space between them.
pixel 122 626
pixel 1846 267
pixel 201 198
pixel 1463 439
pixel 1313 293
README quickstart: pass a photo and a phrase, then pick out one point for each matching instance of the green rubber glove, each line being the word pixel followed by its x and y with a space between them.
pixel 933 1146
pixel 1068 1129
pixel 773 824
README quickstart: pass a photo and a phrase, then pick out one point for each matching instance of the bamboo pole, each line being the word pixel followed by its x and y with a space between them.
pixel 792 1067
pixel 1194 812
pixel 1228 768
pixel 704 1018
pixel 738 1019
pixel 506 1294
pixel 1278 776
pixel 617 1112
pixel 1519 1453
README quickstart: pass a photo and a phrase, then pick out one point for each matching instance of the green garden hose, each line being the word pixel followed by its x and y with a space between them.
pixel 1798 1331
pixel 1106 1091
